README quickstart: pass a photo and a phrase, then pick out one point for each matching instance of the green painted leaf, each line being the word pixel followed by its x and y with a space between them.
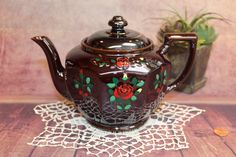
pixel 81 76
pixel 77 85
pixel 157 77
pixel 89 89
pixel 97 59
pixel 90 85
pixel 112 98
pixel 156 86
pixel 164 81
pixel 133 98
pixel 140 84
pixel 115 80
pixel 111 85
pixel 110 91
pixel 128 107
pixel 119 107
pixel 127 101
pixel 165 73
pixel 119 100
pixel 113 60
pixel 134 81
pixel 88 80
pixel 125 77
pixel 102 64
pixel 138 91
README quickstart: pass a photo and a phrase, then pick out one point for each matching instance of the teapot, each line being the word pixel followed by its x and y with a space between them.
pixel 116 77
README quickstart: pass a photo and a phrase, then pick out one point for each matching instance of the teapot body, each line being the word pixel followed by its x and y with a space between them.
pixel 116 92
pixel 116 77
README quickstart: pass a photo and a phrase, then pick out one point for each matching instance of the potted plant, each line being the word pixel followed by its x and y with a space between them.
pixel 178 51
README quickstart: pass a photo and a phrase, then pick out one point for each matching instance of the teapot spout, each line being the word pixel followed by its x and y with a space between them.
pixel 56 69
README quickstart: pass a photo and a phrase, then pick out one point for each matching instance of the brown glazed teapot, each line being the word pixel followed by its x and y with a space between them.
pixel 116 76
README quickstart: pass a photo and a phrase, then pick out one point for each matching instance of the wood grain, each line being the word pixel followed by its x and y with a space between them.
pixel 19 124
pixel 224 117
pixel 202 140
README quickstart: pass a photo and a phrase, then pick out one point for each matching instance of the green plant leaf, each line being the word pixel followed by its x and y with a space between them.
pixel 182 25
pixel 201 16
pixel 119 107
pixel 111 85
pixel 127 107
pixel 200 42
pixel 89 89
pixel 178 24
pixel 206 33
pixel 110 91
pixel 206 19
pixel 140 84
pixel 115 80
pixel 138 91
pixel 112 98
pixel 174 11
pixel 133 98
pixel 125 77
pixel 134 81
pixel 88 80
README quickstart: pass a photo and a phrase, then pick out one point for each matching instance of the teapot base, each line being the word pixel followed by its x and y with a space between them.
pixel 118 128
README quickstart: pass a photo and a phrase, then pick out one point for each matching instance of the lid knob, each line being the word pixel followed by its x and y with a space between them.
pixel 118 23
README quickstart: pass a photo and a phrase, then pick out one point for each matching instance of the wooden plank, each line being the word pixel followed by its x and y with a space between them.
pixel 224 117
pixel 18 126
pixel 164 153
pixel 53 152
pixel 202 140
pixel 82 153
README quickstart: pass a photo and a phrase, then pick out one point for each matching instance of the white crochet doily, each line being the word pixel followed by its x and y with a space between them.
pixel 67 128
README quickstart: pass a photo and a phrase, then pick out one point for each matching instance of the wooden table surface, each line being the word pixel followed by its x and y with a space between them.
pixel 19 124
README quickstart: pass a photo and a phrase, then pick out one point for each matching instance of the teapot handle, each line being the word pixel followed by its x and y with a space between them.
pixel 191 38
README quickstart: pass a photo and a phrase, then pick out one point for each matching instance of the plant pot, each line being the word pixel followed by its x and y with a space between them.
pixel 178 56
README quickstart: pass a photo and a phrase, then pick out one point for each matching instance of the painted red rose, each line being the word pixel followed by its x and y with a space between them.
pixel 86 94
pixel 122 62
pixel 159 89
pixel 162 69
pixel 80 92
pixel 124 91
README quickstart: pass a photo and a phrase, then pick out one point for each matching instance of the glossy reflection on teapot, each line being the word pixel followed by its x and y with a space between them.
pixel 117 77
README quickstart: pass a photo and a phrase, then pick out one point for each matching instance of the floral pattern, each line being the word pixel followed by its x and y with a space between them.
pixel 124 91
pixel 122 62
pixel 160 80
pixel 119 62
pixel 83 84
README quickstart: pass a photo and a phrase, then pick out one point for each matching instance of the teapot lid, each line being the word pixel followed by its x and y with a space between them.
pixel 117 40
